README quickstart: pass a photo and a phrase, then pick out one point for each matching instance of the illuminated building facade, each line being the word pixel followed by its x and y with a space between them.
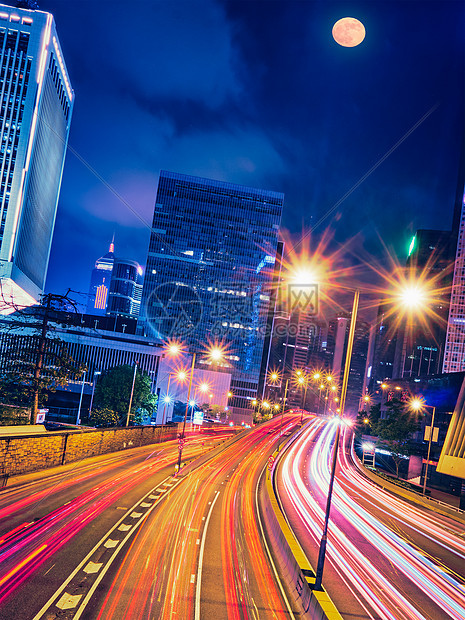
pixel 209 270
pixel 36 101
pixel 125 288
pixel 454 352
pixel 429 257
pixel 97 300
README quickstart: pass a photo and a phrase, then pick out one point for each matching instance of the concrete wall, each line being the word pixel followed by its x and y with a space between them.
pixel 28 453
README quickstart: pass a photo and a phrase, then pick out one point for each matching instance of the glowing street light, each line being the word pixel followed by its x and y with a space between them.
pixel 181 375
pixel 273 377
pixel 216 353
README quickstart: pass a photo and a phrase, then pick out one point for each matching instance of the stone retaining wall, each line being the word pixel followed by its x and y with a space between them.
pixel 21 455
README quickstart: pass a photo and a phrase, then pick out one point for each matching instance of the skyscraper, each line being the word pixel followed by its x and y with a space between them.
pixel 125 288
pixel 209 271
pixel 422 345
pixel 36 101
pixel 97 300
pixel 454 352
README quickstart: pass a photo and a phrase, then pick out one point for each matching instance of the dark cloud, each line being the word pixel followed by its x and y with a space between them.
pixel 258 93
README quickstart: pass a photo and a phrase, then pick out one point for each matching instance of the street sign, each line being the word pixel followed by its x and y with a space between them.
pixel 428 433
pixel 270 462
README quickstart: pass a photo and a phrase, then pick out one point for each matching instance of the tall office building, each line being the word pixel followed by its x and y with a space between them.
pixel 36 101
pixel 125 288
pixel 423 344
pixel 454 351
pixel 209 270
pixel 97 299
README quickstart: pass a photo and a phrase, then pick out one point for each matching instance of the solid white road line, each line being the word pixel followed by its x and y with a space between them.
pixel 199 570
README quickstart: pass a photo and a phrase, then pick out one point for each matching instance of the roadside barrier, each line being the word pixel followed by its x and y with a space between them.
pixel 297 571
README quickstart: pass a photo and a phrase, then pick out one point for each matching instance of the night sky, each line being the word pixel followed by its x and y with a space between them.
pixel 258 93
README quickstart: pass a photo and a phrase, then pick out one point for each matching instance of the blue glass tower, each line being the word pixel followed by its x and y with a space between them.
pixel 36 101
pixel 209 271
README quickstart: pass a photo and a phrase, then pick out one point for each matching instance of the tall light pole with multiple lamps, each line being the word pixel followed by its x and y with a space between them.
pixel 216 354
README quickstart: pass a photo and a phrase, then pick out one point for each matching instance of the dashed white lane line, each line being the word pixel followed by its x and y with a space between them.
pixel 192 578
pixel 68 601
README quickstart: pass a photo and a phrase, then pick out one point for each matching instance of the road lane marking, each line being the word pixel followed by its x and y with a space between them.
pixel 119 525
pixel 201 551
pixel 135 515
pixel 145 505
pixel 93 567
pixel 109 544
pixel 68 601
pixel 192 578
pixel 49 569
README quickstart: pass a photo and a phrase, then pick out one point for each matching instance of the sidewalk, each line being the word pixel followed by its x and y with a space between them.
pixel 447 498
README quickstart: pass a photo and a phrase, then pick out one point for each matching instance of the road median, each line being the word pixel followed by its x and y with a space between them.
pixel 295 567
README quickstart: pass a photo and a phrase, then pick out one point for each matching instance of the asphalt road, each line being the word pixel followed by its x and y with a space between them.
pixel 385 557
pixel 121 537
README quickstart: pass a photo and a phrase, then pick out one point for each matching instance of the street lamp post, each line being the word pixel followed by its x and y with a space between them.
pixel 132 393
pixel 417 405
pixel 282 413
pixel 78 417
pixel 181 439
pixel 429 448
pixel 166 397
pixel 96 373
pixel 345 380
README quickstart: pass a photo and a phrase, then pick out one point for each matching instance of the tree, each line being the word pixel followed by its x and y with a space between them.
pixel 366 420
pixel 396 429
pixel 104 417
pixel 113 392
pixel 37 361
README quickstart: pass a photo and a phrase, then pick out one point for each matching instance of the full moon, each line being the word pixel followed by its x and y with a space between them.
pixel 348 32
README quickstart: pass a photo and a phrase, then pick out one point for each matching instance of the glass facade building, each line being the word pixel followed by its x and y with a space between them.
pixel 209 272
pixel 36 101
pixel 125 288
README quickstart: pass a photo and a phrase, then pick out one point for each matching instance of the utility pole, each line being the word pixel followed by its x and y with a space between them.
pixel 40 359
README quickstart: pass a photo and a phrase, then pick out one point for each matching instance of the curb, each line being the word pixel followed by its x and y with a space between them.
pixel 454 513
pixel 297 570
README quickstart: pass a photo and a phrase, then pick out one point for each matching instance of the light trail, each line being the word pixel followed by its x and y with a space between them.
pixel 364 549
pixel 25 548
pixel 157 576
